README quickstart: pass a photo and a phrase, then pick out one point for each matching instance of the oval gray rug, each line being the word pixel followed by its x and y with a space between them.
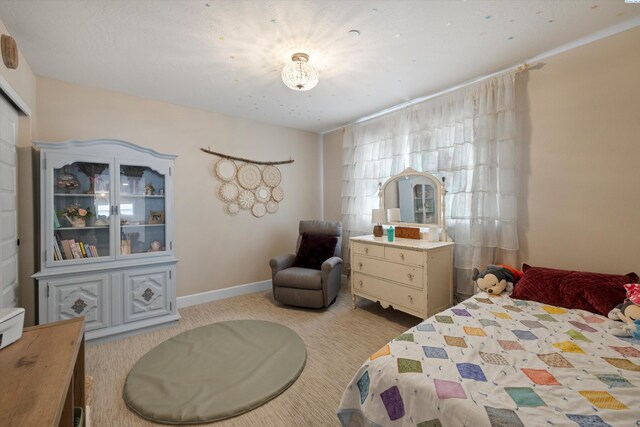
pixel 215 372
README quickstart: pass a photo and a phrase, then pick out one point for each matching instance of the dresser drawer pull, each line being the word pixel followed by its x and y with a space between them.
pixel 360 265
pixel 410 276
pixel 411 299
pixel 401 256
pixel 360 283
pixel 366 250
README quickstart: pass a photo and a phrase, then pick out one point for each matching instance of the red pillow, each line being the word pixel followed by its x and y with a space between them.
pixel 594 292
pixel 314 250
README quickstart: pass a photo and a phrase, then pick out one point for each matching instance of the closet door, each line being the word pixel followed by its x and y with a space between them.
pixel 9 289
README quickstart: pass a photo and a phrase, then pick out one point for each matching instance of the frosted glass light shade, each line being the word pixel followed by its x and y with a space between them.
pixel 299 74
pixel 393 214
pixel 377 216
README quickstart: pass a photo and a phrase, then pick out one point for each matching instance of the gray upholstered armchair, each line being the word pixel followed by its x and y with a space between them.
pixel 307 287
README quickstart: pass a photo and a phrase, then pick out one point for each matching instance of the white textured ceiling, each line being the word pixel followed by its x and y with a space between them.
pixel 227 55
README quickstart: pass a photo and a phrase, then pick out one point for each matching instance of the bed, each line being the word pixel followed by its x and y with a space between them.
pixel 500 361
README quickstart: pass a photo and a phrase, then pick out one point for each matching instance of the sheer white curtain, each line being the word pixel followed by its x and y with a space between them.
pixel 467 137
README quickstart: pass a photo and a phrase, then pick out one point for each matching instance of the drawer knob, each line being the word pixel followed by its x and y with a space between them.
pixel 411 299
pixel 410 276
pixel 366 250
pixel 360 283
pixel 360 265
pixel 401 256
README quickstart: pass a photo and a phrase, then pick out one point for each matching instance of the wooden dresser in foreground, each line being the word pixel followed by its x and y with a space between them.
pixel 414 276
pixel 42 376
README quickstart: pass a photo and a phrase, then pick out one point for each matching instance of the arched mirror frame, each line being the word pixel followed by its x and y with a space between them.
pixel 439 188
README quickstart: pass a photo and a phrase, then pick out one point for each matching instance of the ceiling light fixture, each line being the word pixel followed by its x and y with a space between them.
pixel 299 74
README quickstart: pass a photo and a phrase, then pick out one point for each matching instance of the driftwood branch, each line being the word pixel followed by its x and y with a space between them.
pixel 240 159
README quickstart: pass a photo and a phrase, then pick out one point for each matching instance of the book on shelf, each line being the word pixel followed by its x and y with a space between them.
pixel 74 249
pixel 56 251
pixel 66 248
pixel 56 222
pixel 58 243
pixel 83 251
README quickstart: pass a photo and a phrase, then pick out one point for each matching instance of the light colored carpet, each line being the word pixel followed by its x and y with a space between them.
pixel 338 340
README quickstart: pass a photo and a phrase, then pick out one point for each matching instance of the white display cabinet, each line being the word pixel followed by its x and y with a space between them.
pixel 106 236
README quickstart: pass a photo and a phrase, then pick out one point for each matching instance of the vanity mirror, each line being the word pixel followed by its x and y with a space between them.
pixel 413 198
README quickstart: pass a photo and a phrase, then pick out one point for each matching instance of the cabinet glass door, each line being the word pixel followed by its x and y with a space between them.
pixel 82 211
pixel 142 210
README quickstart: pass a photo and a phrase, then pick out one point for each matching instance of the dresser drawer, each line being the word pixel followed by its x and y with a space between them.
pixel 406 274
pixel 405 256
pixel 367 249
pixel 389 293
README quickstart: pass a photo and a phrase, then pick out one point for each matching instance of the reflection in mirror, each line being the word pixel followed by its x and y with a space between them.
pixel 413 197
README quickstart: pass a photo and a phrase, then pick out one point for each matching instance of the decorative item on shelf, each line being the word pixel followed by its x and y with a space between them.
pixel 243 186
pixel 393 215
pixel 67 181
pixel 408 233
pixel 149 190
pixel 101 221
pixel 390 234
pixel 377 218
pixel 433 235
pixel 134 175
pixel 156 217
pixel 93 172
pixel 76 216
pixel 125 247
pixel 9 52
pixel 155 246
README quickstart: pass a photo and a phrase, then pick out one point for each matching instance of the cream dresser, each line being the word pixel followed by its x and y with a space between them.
pixel 414 276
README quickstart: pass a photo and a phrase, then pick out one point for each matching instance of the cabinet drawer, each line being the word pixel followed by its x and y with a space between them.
pixel 406 274
pixel 366 249
pixel 390 293
pixel 405 256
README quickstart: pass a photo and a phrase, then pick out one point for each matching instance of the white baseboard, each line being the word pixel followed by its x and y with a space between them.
pixel 218 294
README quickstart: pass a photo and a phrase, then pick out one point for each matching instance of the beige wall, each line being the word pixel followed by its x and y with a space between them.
pixel 23 82
pixel 580 118
pixel 332 175
pixel 215 250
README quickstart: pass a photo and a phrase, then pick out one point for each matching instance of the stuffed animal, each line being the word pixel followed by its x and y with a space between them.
pixel 628 312
pixel 494 279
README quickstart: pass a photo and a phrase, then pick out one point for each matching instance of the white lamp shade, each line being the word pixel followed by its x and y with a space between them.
pixel 393 214
pixel 377 216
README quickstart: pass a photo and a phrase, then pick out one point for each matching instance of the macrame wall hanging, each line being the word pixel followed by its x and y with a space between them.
pixel 248 184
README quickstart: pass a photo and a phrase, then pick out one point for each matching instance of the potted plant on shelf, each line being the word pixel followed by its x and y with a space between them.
pixel 76 215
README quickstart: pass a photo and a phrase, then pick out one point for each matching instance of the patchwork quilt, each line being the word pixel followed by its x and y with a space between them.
pixel 497 361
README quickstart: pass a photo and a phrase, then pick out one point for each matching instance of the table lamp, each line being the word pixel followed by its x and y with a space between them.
pixel 394 215
pixel 377 218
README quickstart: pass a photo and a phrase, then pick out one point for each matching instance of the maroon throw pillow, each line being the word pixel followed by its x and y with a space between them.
pixel 594 292
pixel 314 250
